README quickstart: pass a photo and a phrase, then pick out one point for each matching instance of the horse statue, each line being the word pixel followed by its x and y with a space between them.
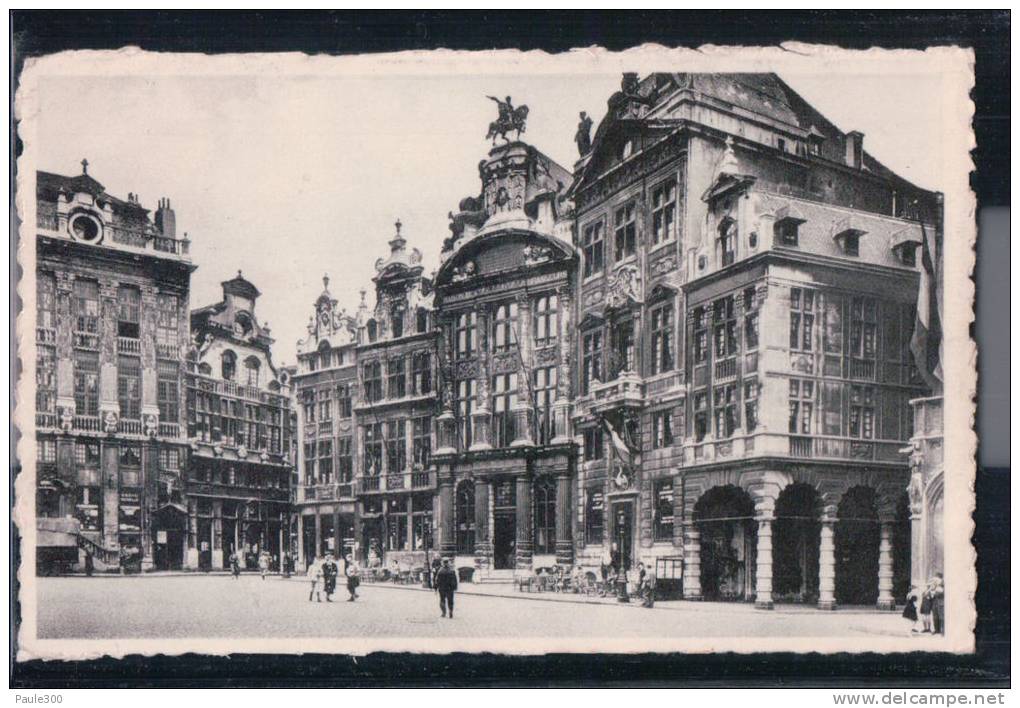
pixel 510 119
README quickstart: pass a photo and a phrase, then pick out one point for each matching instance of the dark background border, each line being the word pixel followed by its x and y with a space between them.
pixel 35 33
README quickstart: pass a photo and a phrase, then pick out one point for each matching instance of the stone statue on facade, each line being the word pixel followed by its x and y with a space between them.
pixel 583 135
pixel 510 119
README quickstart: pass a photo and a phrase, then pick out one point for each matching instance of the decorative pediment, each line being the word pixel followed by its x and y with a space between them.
pixel 624 287
pixel 662 291
pixel 592 320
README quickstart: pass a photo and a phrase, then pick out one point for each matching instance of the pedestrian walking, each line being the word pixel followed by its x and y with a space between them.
pixel 647 588
pixel 446 586
pixel 329 573
pixel 353 574
pixel 910 610
pixel 235 565
pixel 263 564
pixel 89 565
pixel 938 605
pixel 314 574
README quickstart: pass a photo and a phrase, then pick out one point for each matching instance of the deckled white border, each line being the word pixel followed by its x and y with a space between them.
pixel 953 64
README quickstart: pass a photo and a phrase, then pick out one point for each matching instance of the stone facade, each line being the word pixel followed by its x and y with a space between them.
pixel 111 328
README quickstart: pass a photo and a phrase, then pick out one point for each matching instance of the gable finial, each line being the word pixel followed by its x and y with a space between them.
pixel 84 166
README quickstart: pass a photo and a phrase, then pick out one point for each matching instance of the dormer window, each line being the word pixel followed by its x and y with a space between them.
pixel 86 228
pixel 908 254
pixel 904 245
pixel 787 227
pixel 397 321
pixel 728 240
pixel 847 233
pixel 373 330
pixel 852 243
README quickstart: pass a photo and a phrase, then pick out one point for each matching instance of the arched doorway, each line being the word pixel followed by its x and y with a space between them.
pixel 729 535
pixel 857 537
pixel 545 516
pixel 795 536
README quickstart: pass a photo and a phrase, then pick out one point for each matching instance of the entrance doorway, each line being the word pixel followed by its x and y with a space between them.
pixel 504 540
pixel 168 553
pixel 857 538
pixel 725 518
pixel 623 531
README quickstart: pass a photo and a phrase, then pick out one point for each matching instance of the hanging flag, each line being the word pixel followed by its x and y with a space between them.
pixel 926 341
pixel 621 448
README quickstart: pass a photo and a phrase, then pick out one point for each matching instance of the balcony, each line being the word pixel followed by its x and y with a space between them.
pixel 626 390
pixel 820 447
pixel 325 427
pixel 328 492
pixel 166 351
pixel 45 420
pixel 169 430
pixel 45 335
pixel 86 340
pixel 862 369
pixel 88 423
pixel 231 388
pixel 129 427
pixel 368 484
pixel 129 345
pixel 726 368
pixel 798 447
pixel 404 481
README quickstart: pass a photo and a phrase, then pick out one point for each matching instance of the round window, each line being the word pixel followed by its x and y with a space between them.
pixel 85 228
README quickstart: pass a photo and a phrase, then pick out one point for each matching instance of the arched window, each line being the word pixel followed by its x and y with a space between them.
pixel 251 366
pixel 545 516
pixel 228 365
pixel 422 320
pixel 373 330
pixel 465 508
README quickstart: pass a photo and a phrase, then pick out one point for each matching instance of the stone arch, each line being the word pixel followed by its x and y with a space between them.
pixel 795 543
pixel 857 536
pixel 724 517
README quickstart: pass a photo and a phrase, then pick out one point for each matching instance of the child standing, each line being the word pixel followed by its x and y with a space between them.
pixel 314 573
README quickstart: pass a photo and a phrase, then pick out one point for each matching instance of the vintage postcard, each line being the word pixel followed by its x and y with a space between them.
pixel 661 350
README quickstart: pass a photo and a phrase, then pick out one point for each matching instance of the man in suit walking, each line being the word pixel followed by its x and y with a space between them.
pixel 446 586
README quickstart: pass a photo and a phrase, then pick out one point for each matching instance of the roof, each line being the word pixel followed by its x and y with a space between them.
pixel 239 285
pixel 53 183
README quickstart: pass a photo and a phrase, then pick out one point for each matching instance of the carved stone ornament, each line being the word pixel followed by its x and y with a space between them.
pixel 66 419
pixel 264 456
pixel 622 479
pixel 624 286
pixel 110 422
pixel 464 272
pixel 533 255
pixel 218 450
pixel 151 425
pixel 593 297
pixel 505 363
pixel 465 369
pixel 915 491
pixel 242 451
pixel 546 356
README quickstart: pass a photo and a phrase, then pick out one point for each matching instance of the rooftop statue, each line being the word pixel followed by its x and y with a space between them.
pixel 509 119
pixel 583 135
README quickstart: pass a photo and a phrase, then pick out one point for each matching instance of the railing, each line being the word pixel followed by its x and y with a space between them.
pixel 169 245
pixel 326 427
pixel 46 420
pixel 86 340
pixel 170 430
pixel 129 345
pixel 420 480
pixel 369 484
pixel 627 388
pixel 818 447
pixel 166 351
pixel 394 481
pixel 231 388
pixel 88 423
pixel 800 447
pixel 658 386
pixel 862 368
pixel 129 427
pixel 106 555
pixel 726 368
pixel 45 335
pixel 135 239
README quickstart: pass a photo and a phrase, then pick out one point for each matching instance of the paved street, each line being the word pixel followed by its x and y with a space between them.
pixel 219 606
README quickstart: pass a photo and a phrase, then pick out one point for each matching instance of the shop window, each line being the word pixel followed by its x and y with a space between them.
pixel 663 500
pixel 465 513
pixel 89 507
pixel 594 516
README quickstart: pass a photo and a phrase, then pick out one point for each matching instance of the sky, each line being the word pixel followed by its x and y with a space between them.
pixel 290 178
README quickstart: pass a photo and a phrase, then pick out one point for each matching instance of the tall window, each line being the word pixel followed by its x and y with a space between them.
pixel 325 462
pixel 728 241
pixel 46 355
pixel 372 377
pixel 662 338
pixel 251 370
pixel 45 379
pixel 344 404
pixel 88 508
pixel 724 328
pixel 664 212
pixel 397 322
pixel 345 460
pixel 591 359
pixel 422 320
pixel 863 327
pixel 86 383
pixel 862 412
pixel 129 302
pixel 45 302
pixel 546 324
pixel 504 399
pixel 464 405
pixel 700 416
pixel 464 333
pixel 545 516
pixel 168 390
pixel 228 365
pixel 465 511
pixel 372 329
pixel 802 319
pixel 86 310
pixel 396 380
pixel 373 448
pixel 663 522
pixel 311 463
pixel 594 515
pixel 750 405
pixel 421 436
pixel 396 446
pixel 129 387
pixel 700 335
pixel 421 372
pixel 504 326
pixel 166 325
pixel 592 245
pixel 593 448
pixel 624 232
pixel 662 429
pixel 545 396
pixel 325 405
pixel 802 406
pixel 750 320
pixel 725 410
pixel 622 353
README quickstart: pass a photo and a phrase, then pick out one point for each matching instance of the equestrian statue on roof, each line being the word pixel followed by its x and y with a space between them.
pixel 510 118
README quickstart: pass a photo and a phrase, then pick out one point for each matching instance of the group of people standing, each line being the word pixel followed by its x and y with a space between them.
pixel 327 572
pixel 614 575
pixel 926 608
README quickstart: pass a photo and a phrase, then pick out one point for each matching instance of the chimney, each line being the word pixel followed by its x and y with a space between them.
pixel 855 149
pixel 165 221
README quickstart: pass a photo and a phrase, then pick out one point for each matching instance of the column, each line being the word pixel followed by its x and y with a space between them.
pixel 217 534
pixel 150 405
pixel 65 355
pixel 109 405
pixel 827 566
pixel 692 562
pixel 338 548
pixel 483 546
pixel 318 533
pixel 525 543
pixel 447 539
pixel 763 584
pixel 109 489
pixel 564 545
pixel 885 567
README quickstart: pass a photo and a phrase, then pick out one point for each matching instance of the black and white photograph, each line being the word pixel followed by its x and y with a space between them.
pixel 657 350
